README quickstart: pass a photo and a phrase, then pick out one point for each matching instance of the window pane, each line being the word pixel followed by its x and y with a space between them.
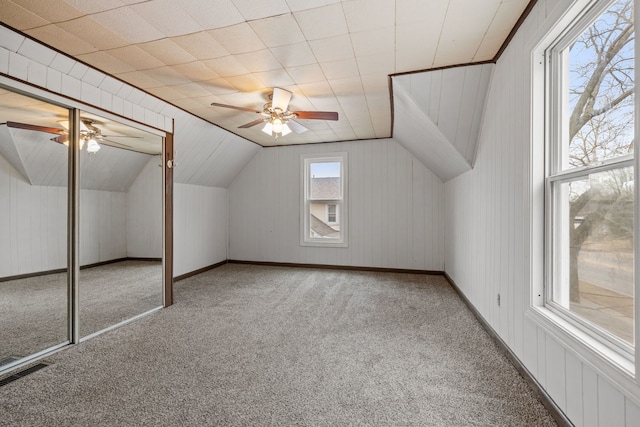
pixel 599 105
pixel 325 181
pixel 594 257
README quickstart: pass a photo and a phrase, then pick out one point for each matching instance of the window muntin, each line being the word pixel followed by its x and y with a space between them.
pixel 590 176
pixel 324 200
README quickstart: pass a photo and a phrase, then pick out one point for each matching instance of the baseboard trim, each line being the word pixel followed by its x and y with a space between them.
pixel 537 388
pixel 198 271
pixel 336 267
pixel 82 267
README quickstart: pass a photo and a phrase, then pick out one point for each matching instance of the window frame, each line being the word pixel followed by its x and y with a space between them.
pixel 341 204
pixel 620 359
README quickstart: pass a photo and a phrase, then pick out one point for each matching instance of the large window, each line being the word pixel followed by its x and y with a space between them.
pixel 590 175
pixel 324 199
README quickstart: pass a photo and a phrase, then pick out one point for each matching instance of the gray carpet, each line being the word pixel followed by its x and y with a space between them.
pixel 33 311
pixel 261 346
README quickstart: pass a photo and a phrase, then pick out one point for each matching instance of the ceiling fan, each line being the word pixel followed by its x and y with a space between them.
pixel 279 120
pixel 89 134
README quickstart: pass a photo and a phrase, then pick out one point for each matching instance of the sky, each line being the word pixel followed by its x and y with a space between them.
pixel 325 169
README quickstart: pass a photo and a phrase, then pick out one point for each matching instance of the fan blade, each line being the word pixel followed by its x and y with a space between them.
pixel 215 104
pixel 62 139
pixel 116 136
pixel 251 124
pixel 316 115
pixel 280 98
pixel 37 128
pixel 296 127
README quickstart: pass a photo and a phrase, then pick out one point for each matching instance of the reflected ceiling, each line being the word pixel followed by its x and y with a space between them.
pixel 332 55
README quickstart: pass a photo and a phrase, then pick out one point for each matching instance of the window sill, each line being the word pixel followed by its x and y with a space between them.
pixel 605 361
pixel 323 244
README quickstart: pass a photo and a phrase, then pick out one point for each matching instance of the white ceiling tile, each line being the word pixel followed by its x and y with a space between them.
pixel 341 69
pixel 201 45
pixel 226 66
pixel 415 11
pixel 323 22
pixel 167 76
pixel 105 62
pixel 168 17
pixel 55 10
pixel 294 55
pixel 129 25
pixel 94 33
pixel 349 87
pixel 316 89
pixel 332 49
pixel 366 15
pixel 278 30
pixel 61 40
pixel 464 27
pixel 92 6
pixel 238 38
pixel 19 17
pixel 212 14
pixel 195 71
pixel 297 5
pixel 139 79
pixel 306 73
pixel 375 82
pixel 217 86
pixel 252 9
pixel 275 78
pixel 167 51
pixel 381 41
pixel 262 60
pixel 377 64
pixel 416 46
pixel 246 83
pixel 136 57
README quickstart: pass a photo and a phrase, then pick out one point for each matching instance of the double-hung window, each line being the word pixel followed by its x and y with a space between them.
pixel 324 219
pixel 590 175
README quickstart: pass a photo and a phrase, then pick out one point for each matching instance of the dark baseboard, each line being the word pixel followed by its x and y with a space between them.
pixel 82 267
pixel 198 271
pixel 336 267
pixel 540 392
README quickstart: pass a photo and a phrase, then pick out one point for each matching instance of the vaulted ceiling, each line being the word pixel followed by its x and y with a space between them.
pixel 332 55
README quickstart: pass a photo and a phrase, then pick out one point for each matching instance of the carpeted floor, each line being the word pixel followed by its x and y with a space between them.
pixel 33 311
pixel 265 346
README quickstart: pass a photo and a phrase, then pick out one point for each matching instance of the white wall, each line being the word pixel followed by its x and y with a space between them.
pixel 33 221
pixel 488 221
pixel 144 212
pixel 200 227
pixel 395 209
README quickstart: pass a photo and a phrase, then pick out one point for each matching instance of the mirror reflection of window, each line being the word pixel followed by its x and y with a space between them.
pixel 33 220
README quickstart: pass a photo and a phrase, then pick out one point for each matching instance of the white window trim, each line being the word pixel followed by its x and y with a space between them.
pixel 341 209
pixel 607 363
pixel 337 213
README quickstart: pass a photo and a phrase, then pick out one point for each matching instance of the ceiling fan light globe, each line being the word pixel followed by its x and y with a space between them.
pixel 285 130
pixel 92 146
pixel 277 126
pixel 268 128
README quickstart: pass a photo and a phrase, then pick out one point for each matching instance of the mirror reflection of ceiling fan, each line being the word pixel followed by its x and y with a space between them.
pixel 279 120
pixel 89 134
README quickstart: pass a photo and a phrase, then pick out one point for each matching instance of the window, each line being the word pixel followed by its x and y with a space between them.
pixel 590 175
pixel 324 211
pixel 332 209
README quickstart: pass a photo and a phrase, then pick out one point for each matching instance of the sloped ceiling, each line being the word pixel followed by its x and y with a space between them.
pixel 43 162
pixel 439 114
pixel 333 55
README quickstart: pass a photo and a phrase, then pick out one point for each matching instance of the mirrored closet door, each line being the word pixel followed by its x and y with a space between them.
pixel 120 222
pixel 82 200
pixel 34 168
